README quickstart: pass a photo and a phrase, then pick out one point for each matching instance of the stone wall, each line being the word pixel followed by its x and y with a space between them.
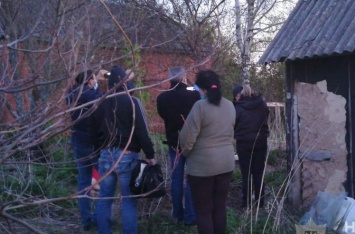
pixel 322 147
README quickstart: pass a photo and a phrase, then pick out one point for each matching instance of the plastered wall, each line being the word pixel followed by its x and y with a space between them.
pixel 322 118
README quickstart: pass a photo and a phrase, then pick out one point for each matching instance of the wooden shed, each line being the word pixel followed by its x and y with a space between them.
pixel 317 44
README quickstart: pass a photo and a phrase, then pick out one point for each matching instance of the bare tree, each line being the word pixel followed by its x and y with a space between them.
pixel 43 46
pixel 256 22
pixel 195 24
pixel 45 43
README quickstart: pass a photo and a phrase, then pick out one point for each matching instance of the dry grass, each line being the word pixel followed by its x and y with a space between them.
pixel 155 214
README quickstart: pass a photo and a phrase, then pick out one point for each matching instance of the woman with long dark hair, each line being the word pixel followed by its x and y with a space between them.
pixel 207 142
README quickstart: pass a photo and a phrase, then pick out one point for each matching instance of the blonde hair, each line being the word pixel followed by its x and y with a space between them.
pixel 246 92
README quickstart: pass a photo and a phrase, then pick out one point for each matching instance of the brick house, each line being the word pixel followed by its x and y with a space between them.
pixel 154 61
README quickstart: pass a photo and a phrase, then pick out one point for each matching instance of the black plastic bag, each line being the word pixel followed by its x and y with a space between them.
pixel 146 178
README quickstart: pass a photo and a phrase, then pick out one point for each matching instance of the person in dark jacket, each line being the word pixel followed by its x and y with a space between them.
pixel 173 107
pixel 251 132
pixel 84 91
pixel 119 127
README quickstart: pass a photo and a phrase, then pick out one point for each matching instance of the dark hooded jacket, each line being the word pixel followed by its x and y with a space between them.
pixel 112 122
pixel 251 119
pixel 77 96
pixel 173 106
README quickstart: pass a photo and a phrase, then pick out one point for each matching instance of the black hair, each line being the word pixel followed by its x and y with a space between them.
pixel 84 77
pixel 209 80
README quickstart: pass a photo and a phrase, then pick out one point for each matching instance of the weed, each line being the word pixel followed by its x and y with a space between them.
pixel 54 175
pixel 237 175
pixel 233 221
pixel 272 158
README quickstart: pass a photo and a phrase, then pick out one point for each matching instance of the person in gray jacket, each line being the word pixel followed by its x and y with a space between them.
pixel 206 140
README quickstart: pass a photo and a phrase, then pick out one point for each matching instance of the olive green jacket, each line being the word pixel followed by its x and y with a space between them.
pixel 206 138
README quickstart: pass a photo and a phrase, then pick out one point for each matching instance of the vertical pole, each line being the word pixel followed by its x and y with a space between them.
pixel 295 183
pixel 292 144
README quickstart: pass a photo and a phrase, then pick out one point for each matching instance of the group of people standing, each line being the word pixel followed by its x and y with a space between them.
pixel 200 127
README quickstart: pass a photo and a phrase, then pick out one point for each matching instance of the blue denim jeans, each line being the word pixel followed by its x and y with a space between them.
pixel 108 187
pixel 178 193
pixel 84 166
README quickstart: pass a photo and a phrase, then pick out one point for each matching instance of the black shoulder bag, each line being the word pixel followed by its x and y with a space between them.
pixel 148 180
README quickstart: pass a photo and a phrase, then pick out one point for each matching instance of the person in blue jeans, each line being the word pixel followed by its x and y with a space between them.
pixel 111 127
pixel 84 91
pixel 173 107
pixel 121 174
pixel 182 212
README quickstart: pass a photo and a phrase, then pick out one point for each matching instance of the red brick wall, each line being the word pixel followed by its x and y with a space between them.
pixel 153 68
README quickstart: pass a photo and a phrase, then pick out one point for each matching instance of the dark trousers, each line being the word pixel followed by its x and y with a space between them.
pixel 209 196
pixel 252 156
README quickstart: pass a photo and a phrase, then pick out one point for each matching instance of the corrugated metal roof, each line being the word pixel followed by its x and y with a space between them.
pixel 314 28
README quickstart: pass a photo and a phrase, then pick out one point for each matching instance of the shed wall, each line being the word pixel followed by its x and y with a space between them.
pixel 319 91
pixel 322 148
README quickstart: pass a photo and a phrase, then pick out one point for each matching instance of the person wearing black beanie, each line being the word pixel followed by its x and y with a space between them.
pixel 119 126
pixel 116 76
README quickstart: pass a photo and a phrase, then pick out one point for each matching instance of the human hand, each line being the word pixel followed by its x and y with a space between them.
pixel 130 74
pixel 151 161
pixel 102 75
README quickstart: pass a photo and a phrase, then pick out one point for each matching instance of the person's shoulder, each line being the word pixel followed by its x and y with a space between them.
pixel 191 95
pixel 201 103
pixel 225 103
pixel 128 98
pixel 167 95
pixel 71 89
pixel 89 91
pixel 137 102
pixel 122 98
pixel 94 94
pixel 190 92
pixel 135 99
pixel 163 95
pixel 194 93
pixel 259 99
pixel 239 105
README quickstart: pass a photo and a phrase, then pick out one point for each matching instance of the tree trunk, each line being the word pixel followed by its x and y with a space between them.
pixel 245 37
